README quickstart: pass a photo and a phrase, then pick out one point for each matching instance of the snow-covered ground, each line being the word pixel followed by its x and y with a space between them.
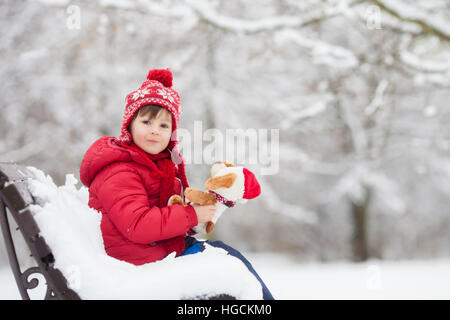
pixel 372 280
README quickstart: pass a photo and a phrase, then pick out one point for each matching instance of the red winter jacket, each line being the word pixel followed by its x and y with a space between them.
pixel 122 188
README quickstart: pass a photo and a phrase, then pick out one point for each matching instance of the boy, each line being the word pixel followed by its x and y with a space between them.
pixel 130 180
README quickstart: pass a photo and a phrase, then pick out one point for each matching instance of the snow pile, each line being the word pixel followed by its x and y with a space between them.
pixel 72 230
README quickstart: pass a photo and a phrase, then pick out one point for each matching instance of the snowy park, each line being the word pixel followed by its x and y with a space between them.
pixel 336 110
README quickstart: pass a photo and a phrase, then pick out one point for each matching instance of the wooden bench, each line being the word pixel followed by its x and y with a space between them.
pixel 14 202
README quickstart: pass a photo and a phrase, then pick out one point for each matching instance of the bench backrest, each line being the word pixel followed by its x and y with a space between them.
pixel 14 202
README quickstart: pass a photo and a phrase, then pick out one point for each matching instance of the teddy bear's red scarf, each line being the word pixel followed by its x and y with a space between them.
pixel 223 200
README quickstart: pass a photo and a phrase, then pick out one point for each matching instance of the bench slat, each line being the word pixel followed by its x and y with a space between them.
pixel 59 284
pixel 28 225
pixel 11 172
pixel 41 251
pixel 17 196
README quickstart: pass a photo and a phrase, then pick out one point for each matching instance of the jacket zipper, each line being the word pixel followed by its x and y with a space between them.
pixel 182 191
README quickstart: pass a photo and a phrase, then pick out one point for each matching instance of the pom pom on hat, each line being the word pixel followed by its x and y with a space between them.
pixel 162 75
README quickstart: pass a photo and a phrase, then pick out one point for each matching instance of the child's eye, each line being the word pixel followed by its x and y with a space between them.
pixel 164 126
pixel 145 122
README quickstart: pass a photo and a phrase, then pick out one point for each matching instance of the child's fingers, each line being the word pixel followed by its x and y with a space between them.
pixel 210 207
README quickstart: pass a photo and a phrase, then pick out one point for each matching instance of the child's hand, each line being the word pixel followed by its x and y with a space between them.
pixel 204 213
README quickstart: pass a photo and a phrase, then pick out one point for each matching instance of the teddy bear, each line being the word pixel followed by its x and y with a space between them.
pixel 228 185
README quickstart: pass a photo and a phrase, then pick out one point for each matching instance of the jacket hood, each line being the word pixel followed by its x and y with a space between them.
pixel 102 153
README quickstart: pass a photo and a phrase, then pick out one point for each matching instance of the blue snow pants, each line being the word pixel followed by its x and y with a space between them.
pixel 193 246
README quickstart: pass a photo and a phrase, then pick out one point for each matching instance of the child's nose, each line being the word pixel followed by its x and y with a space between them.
pixel 154 129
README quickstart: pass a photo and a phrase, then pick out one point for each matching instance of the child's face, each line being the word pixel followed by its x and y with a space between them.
pixel 152 135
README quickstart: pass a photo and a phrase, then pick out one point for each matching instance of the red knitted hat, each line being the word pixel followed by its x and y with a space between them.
pixel 156 90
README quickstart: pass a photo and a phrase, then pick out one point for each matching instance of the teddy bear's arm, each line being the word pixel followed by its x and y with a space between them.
pixel 200 197
pixel 175 199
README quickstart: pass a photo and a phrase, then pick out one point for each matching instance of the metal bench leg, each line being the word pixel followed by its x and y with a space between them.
pixel 12 257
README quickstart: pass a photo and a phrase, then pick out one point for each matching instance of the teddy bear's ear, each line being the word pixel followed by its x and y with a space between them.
pixel 228 164
pixel 224 181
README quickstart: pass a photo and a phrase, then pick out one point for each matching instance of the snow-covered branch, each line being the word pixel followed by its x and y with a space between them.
pixel 359 137
pixel 429 66
pixel 355 182
pixel 403 11
pixel 378 99
pixel 322 53
pixel 303 161
pixel 299 114
pixel 23 153
pixel 210 16
pixel 433 69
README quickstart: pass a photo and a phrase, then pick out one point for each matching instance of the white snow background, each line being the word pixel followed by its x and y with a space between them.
pixel 72 230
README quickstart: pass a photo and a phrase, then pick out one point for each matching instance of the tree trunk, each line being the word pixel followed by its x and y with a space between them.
pixel 359 238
